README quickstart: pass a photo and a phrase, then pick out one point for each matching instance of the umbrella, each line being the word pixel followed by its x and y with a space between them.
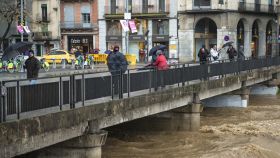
pixel 227 44
pixel 15 49
pixel 155 48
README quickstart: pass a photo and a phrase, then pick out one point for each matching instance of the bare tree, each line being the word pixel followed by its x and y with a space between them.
pixel 9 13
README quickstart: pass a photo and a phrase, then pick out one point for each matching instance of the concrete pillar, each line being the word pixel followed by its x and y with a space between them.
pixel 244 97
pixel 86 146
pixel 186 45
pixel 262 42
pixel 247 42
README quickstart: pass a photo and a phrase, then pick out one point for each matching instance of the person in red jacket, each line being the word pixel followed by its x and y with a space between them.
pixel 161 64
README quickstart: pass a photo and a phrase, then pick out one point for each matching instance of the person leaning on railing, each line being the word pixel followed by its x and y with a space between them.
pixel 161 64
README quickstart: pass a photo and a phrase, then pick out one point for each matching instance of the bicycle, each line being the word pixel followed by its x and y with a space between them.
pixel 90 61
pixel 79 63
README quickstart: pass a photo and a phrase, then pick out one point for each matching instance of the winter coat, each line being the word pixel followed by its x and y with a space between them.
pixel 231 53
pixel 161 62
pixel 203 55
pixel 116 62
pixel 33 66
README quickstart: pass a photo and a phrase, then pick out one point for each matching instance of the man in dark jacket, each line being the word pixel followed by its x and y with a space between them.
pixel 231 53
pixel 117 64
pixel 203 55
pixel 116 61
pixel 32 65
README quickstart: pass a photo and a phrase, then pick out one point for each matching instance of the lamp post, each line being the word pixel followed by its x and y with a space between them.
pixel 126 33
pixel 21 17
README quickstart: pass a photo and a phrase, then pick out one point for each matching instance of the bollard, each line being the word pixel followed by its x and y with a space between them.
pixel 63 62
pixel 54 63
pixel 73 63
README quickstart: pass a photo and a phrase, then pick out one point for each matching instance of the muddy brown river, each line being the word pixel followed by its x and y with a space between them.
pixel 252 132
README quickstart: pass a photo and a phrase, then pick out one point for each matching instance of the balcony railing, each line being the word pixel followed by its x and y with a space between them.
pixel 42 35
pixel 77 25
pixel 40 18
pixel 138 9
pixel 253 7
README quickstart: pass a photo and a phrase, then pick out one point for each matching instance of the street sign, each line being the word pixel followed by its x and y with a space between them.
pixel 127 16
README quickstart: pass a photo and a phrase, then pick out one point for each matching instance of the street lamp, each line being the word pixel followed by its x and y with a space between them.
pixel 126 33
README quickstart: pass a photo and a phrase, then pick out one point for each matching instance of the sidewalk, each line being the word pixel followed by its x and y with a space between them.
pixel 59 71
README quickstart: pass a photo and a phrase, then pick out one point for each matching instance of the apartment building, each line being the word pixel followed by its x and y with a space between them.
pixel 251 23
pixel 155 20
pixel 79 25
pixel 45 25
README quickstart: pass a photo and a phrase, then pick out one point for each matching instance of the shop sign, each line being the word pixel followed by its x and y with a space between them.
pixel 136 38
pixel 113 38
pixel 79 41
pixel 160 38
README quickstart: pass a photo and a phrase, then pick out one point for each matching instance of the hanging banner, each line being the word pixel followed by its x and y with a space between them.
pixel 20 29
pixel 124 24
pixel 132 26
pixel 26 29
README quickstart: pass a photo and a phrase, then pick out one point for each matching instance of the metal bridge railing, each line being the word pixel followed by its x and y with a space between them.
pixel 51 94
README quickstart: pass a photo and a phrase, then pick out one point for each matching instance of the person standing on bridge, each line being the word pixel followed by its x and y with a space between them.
pixel 161 64
pixel 33 66
pixel 117 65
pixel 203 55
pixel 231 53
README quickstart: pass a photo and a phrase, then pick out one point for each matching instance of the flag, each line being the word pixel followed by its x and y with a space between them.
pixel 26 29
pixel 124 25
pixel 20 29
pixel 132 26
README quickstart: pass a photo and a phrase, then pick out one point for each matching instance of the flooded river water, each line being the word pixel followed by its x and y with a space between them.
pixel 252 132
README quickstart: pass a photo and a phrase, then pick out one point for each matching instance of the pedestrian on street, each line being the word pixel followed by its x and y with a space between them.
pixel 231 53
pixel 161 65
pixel 32 64
pixel 203 55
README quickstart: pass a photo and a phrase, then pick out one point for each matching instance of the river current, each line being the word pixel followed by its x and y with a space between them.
pixel 252 132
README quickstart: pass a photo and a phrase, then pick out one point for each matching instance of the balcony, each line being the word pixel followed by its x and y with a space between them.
pixel 42 36
pixel 40 18
pixel 138 9
pixel 77 25
pixel 256 8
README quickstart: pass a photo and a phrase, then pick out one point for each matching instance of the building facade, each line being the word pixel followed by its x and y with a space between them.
pixel 251 23
pixel 79 25
pixel 45 26
pixel 13 7
pixel 155 20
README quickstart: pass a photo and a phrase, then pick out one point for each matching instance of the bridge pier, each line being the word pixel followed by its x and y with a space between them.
pixel 185 118
pixel 86 146
pixel 238 98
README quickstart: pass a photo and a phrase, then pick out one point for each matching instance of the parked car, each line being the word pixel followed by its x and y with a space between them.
pixel 58 55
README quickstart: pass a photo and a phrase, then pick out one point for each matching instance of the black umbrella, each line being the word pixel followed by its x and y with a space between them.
pixel 155 48
pixel 15 49
pixel 227 44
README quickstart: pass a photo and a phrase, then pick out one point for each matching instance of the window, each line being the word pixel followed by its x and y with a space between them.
pixel 114 28
pixel 44 12
pixel 161 27
pixel 161 5
pixel 270 2
pixel 86 17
